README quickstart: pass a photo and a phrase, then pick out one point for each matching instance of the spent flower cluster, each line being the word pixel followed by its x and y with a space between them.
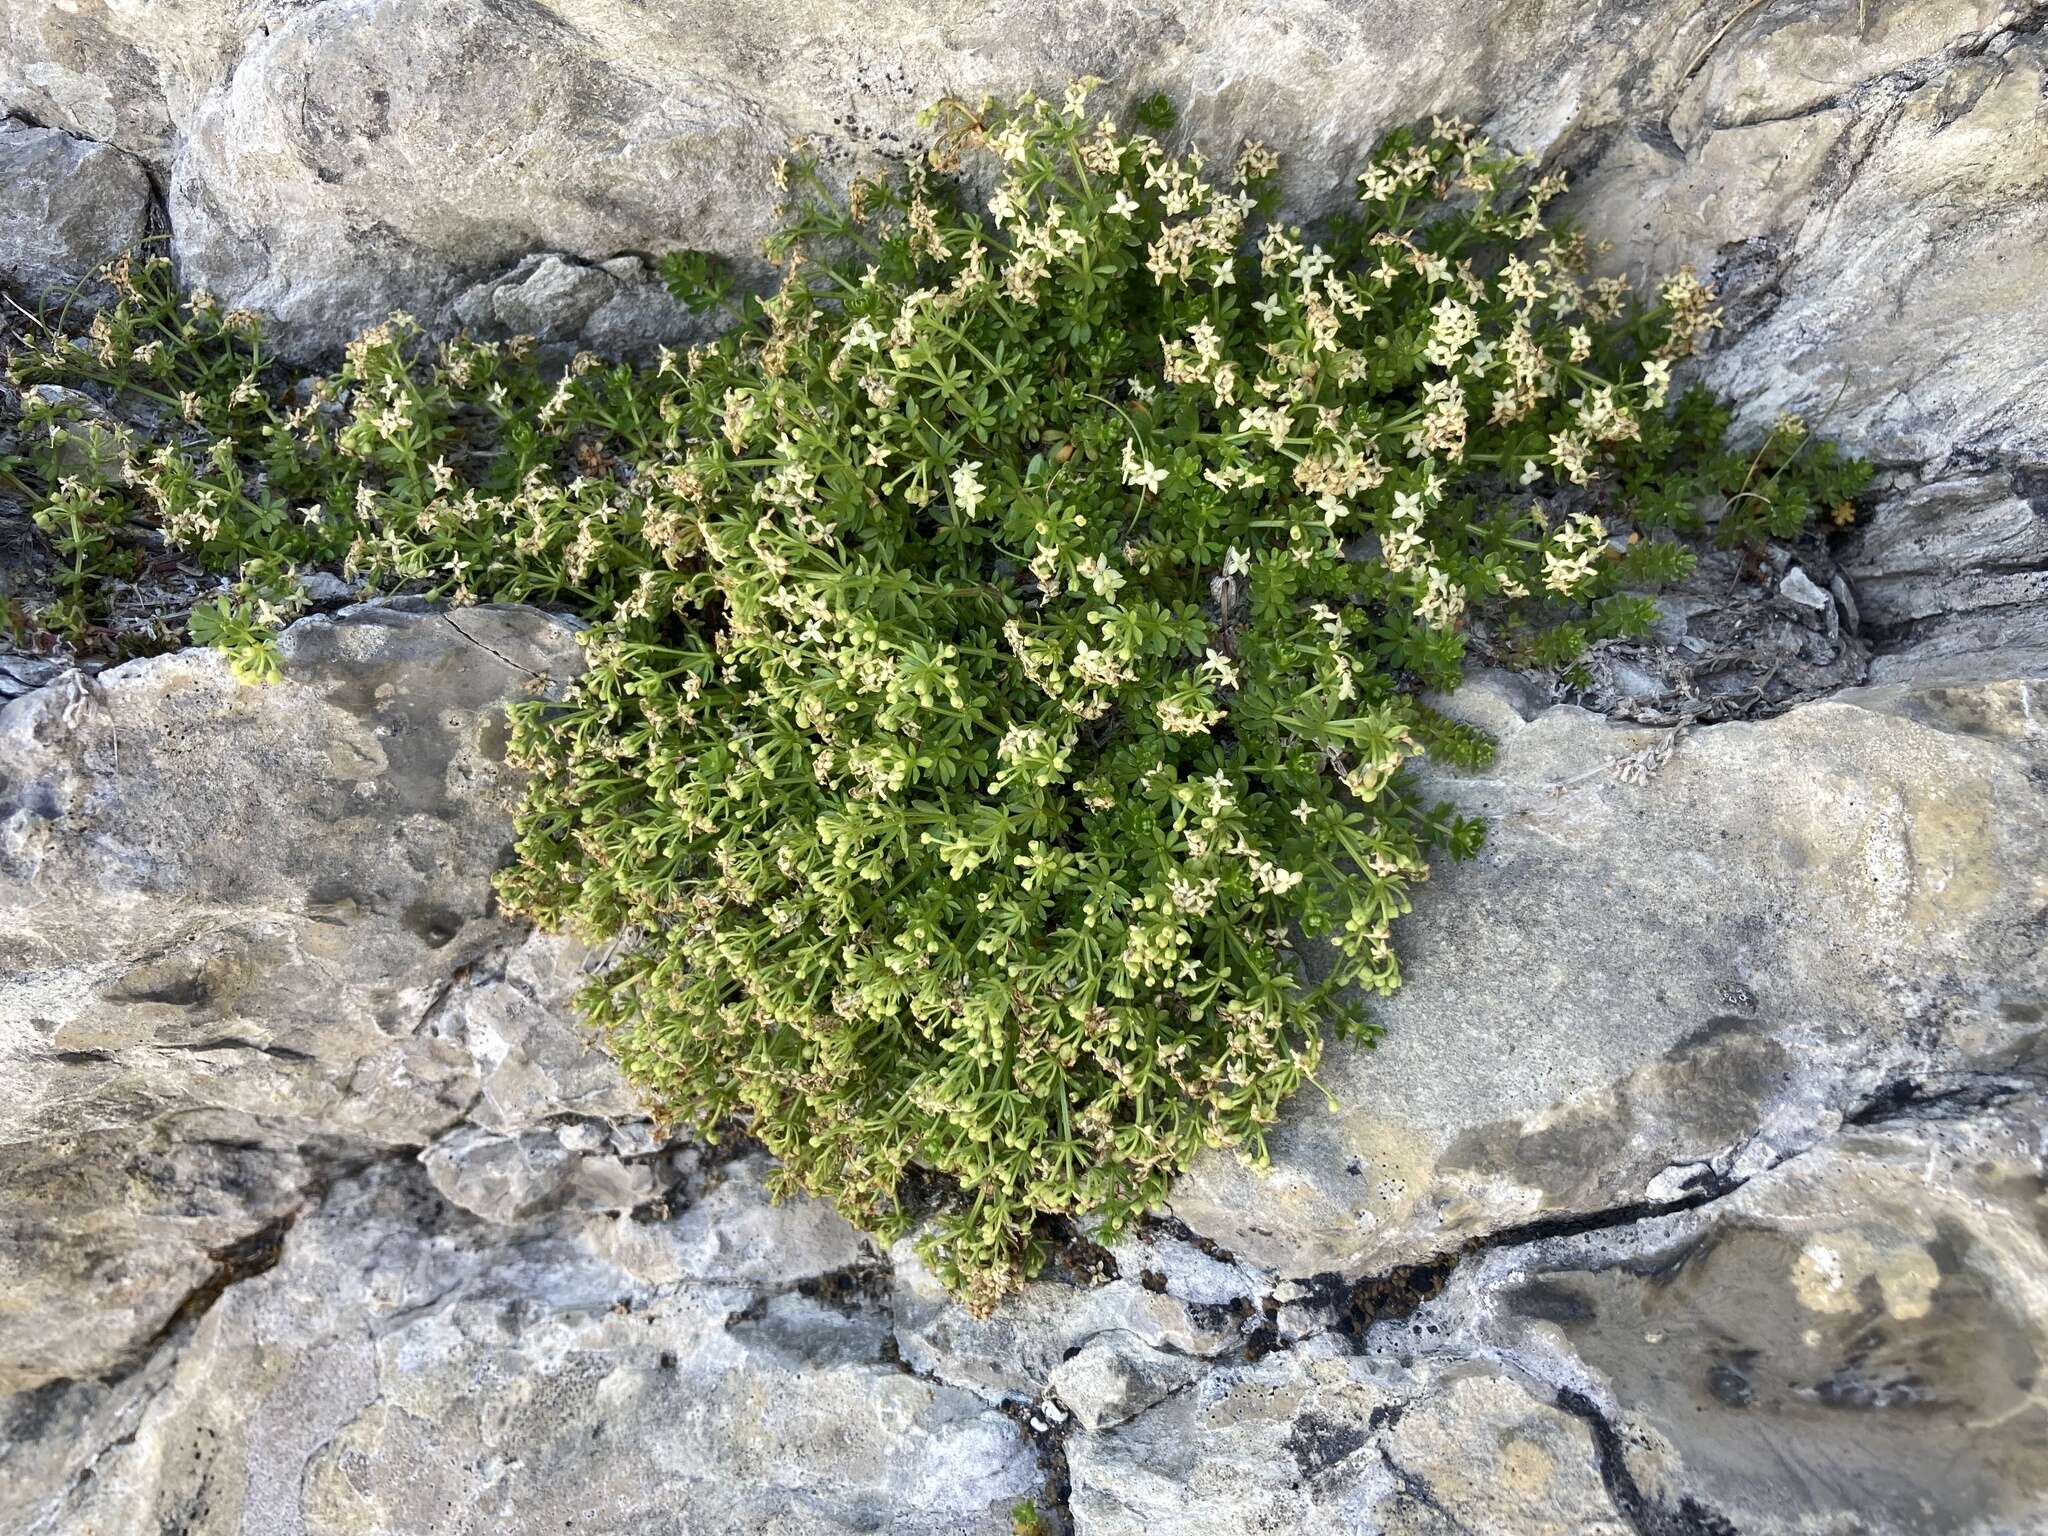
pixel 1007 640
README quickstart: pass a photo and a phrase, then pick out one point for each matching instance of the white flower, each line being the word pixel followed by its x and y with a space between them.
pixel 1441 602
pixel 1568 453
pixel 1313 265
pixel 1143 473
pixel 967 487
pixel 1105 578
pixel 1124 205
pixel 1184 717
pixel 1270 307
pixel 1236 562
pixel 1219 669
pixel 1531 472
pixel 1656 381
pixel 1271 878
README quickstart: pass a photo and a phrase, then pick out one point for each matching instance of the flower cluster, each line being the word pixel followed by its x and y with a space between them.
pixel 1007 639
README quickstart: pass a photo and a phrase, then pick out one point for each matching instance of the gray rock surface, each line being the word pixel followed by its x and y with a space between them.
pixel 329 162
pixel 617 307
pixel 1865 183
pixel 405 1368
pixel 307 1160
pixel 246 933
pixel 1318 1439
pixel 1952 577
pixel 72 205
pixel 1851 1341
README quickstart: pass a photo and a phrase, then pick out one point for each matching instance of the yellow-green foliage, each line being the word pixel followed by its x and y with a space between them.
pixel 1007 640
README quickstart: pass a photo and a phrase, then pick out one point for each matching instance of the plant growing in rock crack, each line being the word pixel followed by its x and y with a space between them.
pixel 1006 642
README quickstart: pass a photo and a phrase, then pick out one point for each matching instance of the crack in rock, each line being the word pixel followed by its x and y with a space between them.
pixel 1645 1515
pixel 245 1258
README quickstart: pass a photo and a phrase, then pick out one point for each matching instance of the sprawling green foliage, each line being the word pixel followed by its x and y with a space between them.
pixel 1006 640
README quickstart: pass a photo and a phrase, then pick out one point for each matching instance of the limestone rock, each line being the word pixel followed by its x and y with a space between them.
pixel 244 931
pixel 1863 183
pixel 1677 959
pixel 510 1179
pixel 1879 236
pixel 327 163
pixel 1825 164
pixel 1848 1340
pixel 729 1231
pixel 1148 1293
pixel 618 307
pixel 125 74
pixel 354 1230
pixel 1114 1378
pixel 1312 1441
pixel 403 1367
pixel 1951 578
pixel 71 206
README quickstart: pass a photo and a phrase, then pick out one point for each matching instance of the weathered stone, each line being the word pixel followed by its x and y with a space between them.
pixel 71 207
pixel 120 72
pixel 403 1367
pixel 514 1019
pixel 1865 183
pixel 244 930
pixel 514 1178
pixel 1312 1441
pixel 1951 578
pixel 1677 959
pixel 1112 1379
pixel 1151 1295
pixel 1862 230
pixel 728 1231
pixel 617 307
pixel 1778 64
pixel 291 1327
pixel 1851 1340
pixel 328 163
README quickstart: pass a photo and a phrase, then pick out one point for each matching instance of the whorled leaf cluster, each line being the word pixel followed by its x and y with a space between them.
pixel 1006 640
